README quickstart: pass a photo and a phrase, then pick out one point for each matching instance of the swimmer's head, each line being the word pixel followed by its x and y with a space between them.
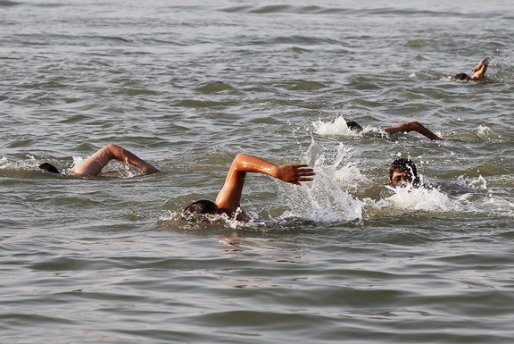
pixel 48 167
pixel 403 171
pixel 462 76
pixel 354 126
pixel 202 207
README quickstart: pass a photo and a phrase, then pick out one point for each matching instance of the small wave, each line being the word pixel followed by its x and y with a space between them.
pixel 303 85
pixel 197 103
pixel 6 3
pixel 272 9
pixel 286 9
pixel 311 9
pixel 479 134
pixel 236 9
pixel 214 87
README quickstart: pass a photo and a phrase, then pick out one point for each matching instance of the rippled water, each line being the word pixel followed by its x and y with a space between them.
pixel 187 85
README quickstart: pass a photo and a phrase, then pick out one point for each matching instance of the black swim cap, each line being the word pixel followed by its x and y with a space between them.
pixel 201 207
pixel 48 167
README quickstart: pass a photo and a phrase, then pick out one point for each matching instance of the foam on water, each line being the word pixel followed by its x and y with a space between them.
pixel 478 183
pixel 418 199
pixel 484 132
pixel 479 200
pixel 326 198
pixel 337 127
pixel 172 219
pixel 27 164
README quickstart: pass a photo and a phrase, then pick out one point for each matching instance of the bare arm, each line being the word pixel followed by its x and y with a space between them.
pixel 412 126
pixel 480 69
pixel 96 162
pixel 229 197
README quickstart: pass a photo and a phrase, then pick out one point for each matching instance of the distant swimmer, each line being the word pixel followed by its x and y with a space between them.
pixel 400 128
pixel 478 71
pixel 93 165
pixel 229 198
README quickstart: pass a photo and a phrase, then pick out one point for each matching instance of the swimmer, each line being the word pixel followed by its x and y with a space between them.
pixel 400 128
pixel 93 165
pixel 478 71
pixel 229 198
pixel 402 172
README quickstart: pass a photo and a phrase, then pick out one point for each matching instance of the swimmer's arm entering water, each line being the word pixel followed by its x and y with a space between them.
pixel 412 126
pixel 229 197
pixel 96 162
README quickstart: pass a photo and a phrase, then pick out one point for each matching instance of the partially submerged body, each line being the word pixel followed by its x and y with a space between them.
pixel 478 72
pixel 400 128
pixel 403 172
pixel 229 197
pixel 93 165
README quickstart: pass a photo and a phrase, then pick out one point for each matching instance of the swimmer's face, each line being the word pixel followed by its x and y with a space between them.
pixel 399 178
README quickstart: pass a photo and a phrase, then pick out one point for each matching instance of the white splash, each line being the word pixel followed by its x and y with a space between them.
pixel 484 132
pixel 326 199
pixel 418 199
pixel 28 164
pixel 479 183
pixel 3 162
pixel 337 127
pixel 178 220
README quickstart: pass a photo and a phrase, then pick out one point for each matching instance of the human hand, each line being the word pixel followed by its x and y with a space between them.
pixel 295 173
pixel 483 62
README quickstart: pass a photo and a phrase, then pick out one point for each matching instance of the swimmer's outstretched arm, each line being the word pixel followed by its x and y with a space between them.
pixel 96 162
pixel 229 197
pixel 412 126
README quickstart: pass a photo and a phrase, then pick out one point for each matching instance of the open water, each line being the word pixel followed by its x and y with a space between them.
pixel 187 85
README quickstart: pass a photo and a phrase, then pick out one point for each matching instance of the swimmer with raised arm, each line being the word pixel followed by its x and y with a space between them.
pixel 93 165
pixel 229 198
pixel 478 71
pixel 400 128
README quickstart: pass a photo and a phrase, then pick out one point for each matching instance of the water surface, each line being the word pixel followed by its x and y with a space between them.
pixel 187 85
